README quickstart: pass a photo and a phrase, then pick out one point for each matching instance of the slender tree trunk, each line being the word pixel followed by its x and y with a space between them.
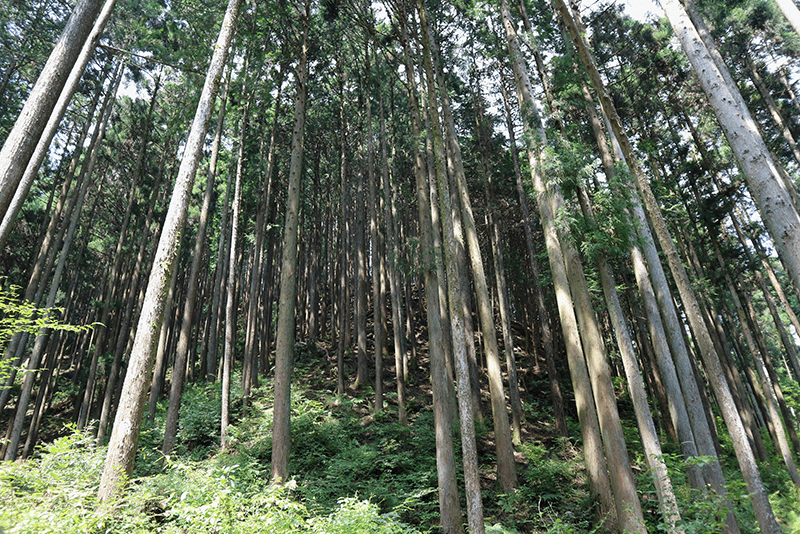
pixel 125 436
pixel 449 507
pixel 161 364
pixel 790 11
pixel 713 368
pixel 599 482
pixel 24 136
pixel 499 269
pixel 284 350
pixel 41 338
pixel 454 248
pixel 231 323
pixel 541 309
pixel 187 317
pixel 772 106
pixel 393 252
pixel 764 180
pixel 644 419
pixel 506 470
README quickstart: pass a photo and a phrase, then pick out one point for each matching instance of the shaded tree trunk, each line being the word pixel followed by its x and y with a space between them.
pixel 284 338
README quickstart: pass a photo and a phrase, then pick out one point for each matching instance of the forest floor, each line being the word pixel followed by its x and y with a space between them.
pixel 354 471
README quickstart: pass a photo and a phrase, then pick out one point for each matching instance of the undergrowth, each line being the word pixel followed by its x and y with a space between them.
pixel 355 472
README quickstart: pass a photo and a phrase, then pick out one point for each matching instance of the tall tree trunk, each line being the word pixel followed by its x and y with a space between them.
pixel 713 368
pixel 393 252
pixel 41 338
pixel 285 336
pixel 506 470
pixel 24 136
pixel 50 129
pixel 599 482
pixel 685 409
pixel 764 180
pixel 541 309
pixel 453 249
pixel 499 268
pixel 772 106
pixel 644 419
pixel 449 507
pixel 187 317
pixel 257 276
pixel 125 436
pixel 790 11
pixel 113 277
pixel 231 326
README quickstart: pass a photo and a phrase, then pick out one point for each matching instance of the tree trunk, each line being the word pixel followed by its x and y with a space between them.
pixel 790 11
pixel 541 309
pixel 644 419
pixel 713 368
pixel 772 107
pixel 506 470
pixel 27 130
pixel 393 253
pixel 187 317
pixel 46 137
pixel 599 483
pixel 231 322
pixel 453 249
pixel 449 506
pixel 764 181
pixel 496 241
pixel 284 350
pixel 125 436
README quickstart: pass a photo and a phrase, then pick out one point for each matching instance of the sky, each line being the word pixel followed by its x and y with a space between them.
pixel 638 9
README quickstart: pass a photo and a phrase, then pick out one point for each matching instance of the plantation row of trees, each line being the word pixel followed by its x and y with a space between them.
pixel 453 193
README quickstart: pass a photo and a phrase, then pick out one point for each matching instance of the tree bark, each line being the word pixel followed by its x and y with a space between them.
pixel 125 436
pixel 27 130
pixel 285 336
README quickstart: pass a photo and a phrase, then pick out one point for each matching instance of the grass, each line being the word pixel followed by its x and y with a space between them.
pixel 354 472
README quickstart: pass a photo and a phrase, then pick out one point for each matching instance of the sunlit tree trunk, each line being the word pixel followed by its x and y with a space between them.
pixel 187 316
pixel 498 264
pixel 772 106
pixel 449 506
pixel 27 130
pixel 713 367
pixel 506 470
pixel 644 419
pixel 763 178
pixel 393 252
pixel 125 436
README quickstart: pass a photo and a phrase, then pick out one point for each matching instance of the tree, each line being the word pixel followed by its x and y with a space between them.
pixel 23 137
pixel 127 424
pixel 285 336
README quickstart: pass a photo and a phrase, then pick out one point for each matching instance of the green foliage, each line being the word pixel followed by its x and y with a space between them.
pixel 229 493
pixel 18 315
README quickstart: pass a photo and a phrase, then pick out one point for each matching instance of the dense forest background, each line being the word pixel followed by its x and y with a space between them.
pixel 341 266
